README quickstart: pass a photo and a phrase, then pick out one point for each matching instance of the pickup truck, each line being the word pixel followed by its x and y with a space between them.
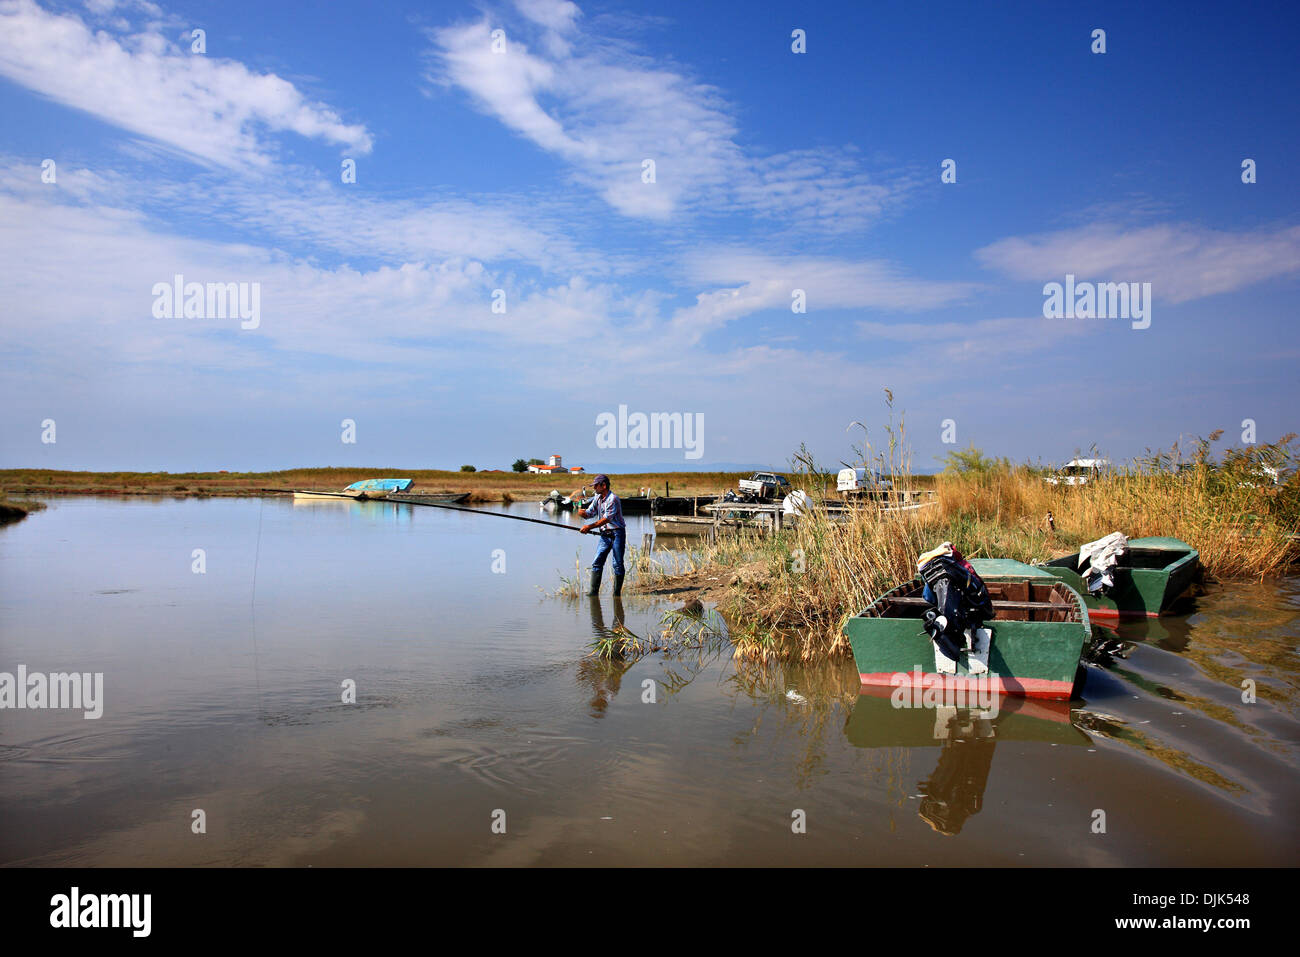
pixel 764 485
pixel 851 482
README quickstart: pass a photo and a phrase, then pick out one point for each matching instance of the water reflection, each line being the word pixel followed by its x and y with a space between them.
pixel 603 676
pixel 966 737
pixel 476 694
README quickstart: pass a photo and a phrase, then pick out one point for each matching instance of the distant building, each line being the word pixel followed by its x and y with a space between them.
pixel 554 466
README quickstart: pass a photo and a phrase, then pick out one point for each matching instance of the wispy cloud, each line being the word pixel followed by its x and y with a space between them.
pixel 212 109
pixel 1182 262
pixel 753 282
pixel 604 109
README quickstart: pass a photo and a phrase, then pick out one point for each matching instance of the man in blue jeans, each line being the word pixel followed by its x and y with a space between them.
pixel 608 511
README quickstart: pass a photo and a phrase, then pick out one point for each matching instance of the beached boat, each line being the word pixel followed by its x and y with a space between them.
pixel 1149 577
pixel 360 491
pixel 381 487
pixel 1037 634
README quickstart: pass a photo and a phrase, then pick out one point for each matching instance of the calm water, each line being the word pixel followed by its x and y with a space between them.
pixel 222 692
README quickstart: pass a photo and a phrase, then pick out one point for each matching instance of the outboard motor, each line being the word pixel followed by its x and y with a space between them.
pixel 960 599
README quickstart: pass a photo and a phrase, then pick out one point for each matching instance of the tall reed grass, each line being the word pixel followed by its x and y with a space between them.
pixel 817 574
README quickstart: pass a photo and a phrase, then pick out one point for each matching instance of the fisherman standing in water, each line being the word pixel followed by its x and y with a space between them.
pixel 612 529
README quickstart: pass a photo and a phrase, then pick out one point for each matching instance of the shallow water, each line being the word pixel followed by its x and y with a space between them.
pixel 475 705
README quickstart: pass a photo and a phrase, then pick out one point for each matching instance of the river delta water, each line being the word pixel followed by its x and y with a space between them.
pixel 230 631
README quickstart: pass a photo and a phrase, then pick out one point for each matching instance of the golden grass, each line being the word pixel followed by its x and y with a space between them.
pixel 483 486
pixel 12 511
pixel 822 571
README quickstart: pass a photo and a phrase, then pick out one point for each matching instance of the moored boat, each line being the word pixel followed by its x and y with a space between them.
pixel 556 502
pixel 1035 637
pixel 665 504
pixel 1149 577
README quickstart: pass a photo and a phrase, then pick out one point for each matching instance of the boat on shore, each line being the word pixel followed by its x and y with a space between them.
pixel 366 489
pixel 1035 638
pixel 1149 577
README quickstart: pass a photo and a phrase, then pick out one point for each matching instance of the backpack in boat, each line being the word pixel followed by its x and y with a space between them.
pixel 961 602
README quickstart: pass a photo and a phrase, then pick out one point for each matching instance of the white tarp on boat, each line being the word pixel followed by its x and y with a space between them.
pixel 1097 560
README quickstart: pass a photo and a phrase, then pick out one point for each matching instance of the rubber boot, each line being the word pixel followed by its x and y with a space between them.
pixel 618 584
pixel 595 581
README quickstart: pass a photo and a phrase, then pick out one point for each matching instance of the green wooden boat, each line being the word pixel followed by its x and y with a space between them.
pixel 1149 577
pixel 1039 629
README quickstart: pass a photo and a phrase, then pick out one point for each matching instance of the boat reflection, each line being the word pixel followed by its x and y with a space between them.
pixel 966 736
pixel 361 508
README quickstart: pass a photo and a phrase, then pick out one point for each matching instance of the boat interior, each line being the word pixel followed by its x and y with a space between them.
pixel 1012 601
pixel 1132 558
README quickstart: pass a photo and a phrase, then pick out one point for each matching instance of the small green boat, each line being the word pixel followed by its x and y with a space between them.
pixel 1150 576
pixel 1039 629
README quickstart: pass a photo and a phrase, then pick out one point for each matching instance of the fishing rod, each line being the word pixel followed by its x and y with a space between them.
pixel 456 508
pixel 479 511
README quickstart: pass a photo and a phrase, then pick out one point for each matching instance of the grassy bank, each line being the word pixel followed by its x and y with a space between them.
pixel 788 596
pixel 11 511
pixel 483 486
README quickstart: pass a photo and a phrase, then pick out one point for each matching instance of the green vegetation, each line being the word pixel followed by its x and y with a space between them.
pixel 962 462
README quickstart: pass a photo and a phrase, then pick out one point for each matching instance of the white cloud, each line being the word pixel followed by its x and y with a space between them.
pixel 753 282
pixel 1182 262
pixel 605 110
pixel 203 106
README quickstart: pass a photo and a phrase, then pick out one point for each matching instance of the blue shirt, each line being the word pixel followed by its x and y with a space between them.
pixel 608 507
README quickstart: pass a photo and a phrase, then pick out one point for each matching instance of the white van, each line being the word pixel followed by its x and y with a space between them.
pixel 861 481
pixel 1080 472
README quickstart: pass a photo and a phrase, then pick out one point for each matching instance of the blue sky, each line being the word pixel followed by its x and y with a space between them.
pixel 522 171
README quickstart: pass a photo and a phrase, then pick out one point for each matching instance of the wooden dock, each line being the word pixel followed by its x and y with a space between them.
pixel 771 516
